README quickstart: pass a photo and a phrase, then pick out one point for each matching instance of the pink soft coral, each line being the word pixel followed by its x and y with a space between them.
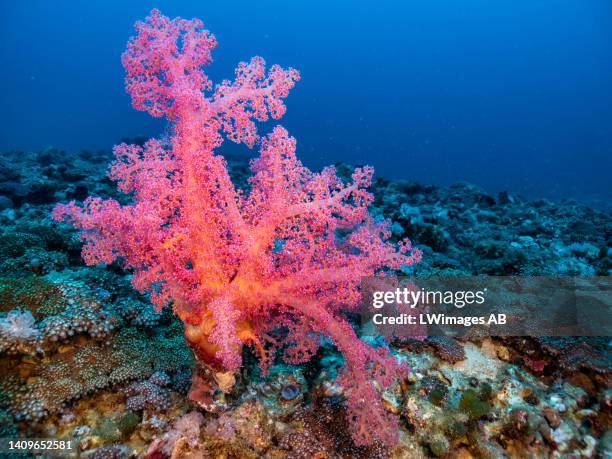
pixel 288 254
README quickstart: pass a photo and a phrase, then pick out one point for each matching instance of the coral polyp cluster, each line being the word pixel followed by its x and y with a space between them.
pixel 283 258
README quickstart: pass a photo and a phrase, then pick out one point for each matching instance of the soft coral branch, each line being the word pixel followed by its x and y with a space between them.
pixel 288 254
pixel 366 371
pixel 253 95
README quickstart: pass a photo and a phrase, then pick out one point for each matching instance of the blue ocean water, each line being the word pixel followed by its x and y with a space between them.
pixel 509 94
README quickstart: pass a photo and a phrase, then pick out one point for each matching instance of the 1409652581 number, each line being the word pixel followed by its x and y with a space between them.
pixel 39 445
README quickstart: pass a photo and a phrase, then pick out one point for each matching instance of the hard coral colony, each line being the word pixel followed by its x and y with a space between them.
pixel 237 265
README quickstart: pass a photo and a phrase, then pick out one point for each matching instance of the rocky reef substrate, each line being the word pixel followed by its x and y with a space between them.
pixel 84 357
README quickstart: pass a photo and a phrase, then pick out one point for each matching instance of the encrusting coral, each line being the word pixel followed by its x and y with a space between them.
pixel 288 254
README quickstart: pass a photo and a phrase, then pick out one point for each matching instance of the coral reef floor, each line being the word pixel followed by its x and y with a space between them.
pixel 84 357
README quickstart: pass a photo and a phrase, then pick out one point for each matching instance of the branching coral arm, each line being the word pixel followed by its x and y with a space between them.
pixel 364 366
pixel 253 95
